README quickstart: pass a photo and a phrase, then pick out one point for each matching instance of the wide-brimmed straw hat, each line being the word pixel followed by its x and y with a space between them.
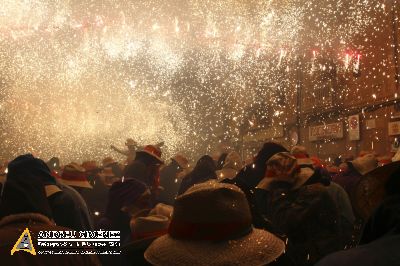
pixel 370 190
pixel 211 225
pixel 75 175
pixel 153 151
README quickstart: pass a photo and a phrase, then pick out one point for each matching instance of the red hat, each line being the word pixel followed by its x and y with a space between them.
pixel 75 175
pixel 153 151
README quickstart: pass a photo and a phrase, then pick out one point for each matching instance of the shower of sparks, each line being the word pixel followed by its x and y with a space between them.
pixel 77 76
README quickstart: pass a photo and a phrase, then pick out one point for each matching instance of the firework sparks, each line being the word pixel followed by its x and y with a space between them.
pixel 77 76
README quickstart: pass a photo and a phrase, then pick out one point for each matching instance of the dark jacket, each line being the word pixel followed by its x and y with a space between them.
pixel 202 172
pixel 307 215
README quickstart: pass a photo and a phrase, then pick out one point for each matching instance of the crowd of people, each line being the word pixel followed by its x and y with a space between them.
pixel 283 207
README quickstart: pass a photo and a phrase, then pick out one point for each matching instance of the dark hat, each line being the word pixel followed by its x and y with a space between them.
pixel 212 225
pixel 28 166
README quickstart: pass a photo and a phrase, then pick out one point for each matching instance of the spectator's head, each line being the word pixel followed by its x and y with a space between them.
pixel 130 143
pixel 22 193
pixel 128 197
pixel 150 155
pixel 181 162
pixel 28 166
pixel 137 170
pixel 75 175
pixel 205 166
pixel 212 225
pixel 267 151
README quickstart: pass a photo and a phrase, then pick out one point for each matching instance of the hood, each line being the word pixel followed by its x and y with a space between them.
pixel 233 161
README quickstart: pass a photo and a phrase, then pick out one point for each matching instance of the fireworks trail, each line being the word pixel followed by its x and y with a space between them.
pixel 77 76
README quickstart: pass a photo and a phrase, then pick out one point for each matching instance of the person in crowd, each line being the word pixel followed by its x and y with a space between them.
pixel 338 194
pixel 130 153
pixel 23 204
pixel 253 173
pixel 349 178
pixel 231 167
pixel 150 156
pixel 202 172
pixel 299 207
pixel 211 225
pixel 248 178
pixel 170 178
pixel 380 239
pixel 125 199
pixel 67 209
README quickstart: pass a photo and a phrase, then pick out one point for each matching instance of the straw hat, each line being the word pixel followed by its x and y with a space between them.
pixel 153 151
pixel 151 226
pixel 75 175
pixel 162 209
pixel 365 164
pixel 90 166
pixel 211 225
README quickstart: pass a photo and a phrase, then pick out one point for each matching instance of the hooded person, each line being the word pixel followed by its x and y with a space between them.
pixel 248 178
pixel 232 165
pixel 66 206
pixel 338 194
pixel 380 239
pixel 202 172
pixel 125 199
pixel 355 170
pixel 170 178
pixel 24 204
pixel 211 225
pixel 300 208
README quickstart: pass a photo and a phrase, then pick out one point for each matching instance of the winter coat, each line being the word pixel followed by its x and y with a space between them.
pixel 11 228
pixel 232 165
pixel 308 216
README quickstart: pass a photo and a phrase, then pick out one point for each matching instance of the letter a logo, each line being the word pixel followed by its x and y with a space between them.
pixel 24 243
